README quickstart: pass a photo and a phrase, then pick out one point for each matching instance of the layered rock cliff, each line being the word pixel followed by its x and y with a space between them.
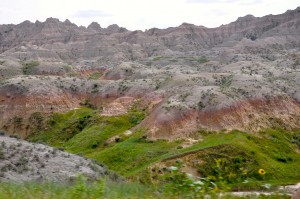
pixel 242 75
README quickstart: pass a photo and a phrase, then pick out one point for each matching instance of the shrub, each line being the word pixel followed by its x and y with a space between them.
pixel 14 136
pixel 202 59
pixel 36 119
pixel 18 121
pixel 1 153
pixel 28 67
pixel 87 103
pixel 2 133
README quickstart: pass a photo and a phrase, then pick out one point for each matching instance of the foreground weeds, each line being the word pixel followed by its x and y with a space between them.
pixel 180 188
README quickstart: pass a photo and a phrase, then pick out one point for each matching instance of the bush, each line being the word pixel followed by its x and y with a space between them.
pixel 37 120
pixel 2 133
pixel 28 67
pixel 87 103
pixel 17 121
pixel 1 153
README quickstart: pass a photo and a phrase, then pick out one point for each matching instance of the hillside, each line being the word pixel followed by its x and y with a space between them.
pixel 22 161
pixel 190 76
pixel 222 104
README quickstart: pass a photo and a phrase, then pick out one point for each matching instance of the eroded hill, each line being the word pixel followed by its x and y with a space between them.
pixel 22 161
pixel 243 75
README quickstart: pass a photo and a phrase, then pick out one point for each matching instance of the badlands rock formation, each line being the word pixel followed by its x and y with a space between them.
pixel 244 75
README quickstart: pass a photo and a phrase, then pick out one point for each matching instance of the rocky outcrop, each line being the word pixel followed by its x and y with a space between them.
pixel 116 44
pixel 94 26
pixel 22 161
pixel 248 115
pixel 243 75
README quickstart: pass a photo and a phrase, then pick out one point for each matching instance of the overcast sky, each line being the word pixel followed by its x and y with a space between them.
pixel 140 14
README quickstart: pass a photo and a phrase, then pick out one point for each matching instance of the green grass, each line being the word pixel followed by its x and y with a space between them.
pixel 271 150
pixel 62 127
pixel 94 136
pixel 133 155
pixel 67 68
pixel 84 131
pixel 101 189
pixel 95 76
pixel 79 190
pixel 200 60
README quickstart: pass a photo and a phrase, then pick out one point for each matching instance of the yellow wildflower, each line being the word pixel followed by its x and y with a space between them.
pixel 261 172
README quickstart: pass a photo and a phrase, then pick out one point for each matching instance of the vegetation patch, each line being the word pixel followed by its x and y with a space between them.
pixel 133 155
pixel 36 120
pixel 235 159
pixel 28 67
pixel 95 76
pixel 240 160
pixel 107 189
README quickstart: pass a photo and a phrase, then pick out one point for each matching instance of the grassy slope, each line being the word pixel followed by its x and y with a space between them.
pixel 85 131
pixel 271 150
pixel 98 190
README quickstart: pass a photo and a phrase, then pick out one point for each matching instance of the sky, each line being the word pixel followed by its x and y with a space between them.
pixel 140 14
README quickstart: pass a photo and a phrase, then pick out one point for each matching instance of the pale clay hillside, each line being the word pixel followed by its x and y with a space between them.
pixel 111 85
pixel 238 74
